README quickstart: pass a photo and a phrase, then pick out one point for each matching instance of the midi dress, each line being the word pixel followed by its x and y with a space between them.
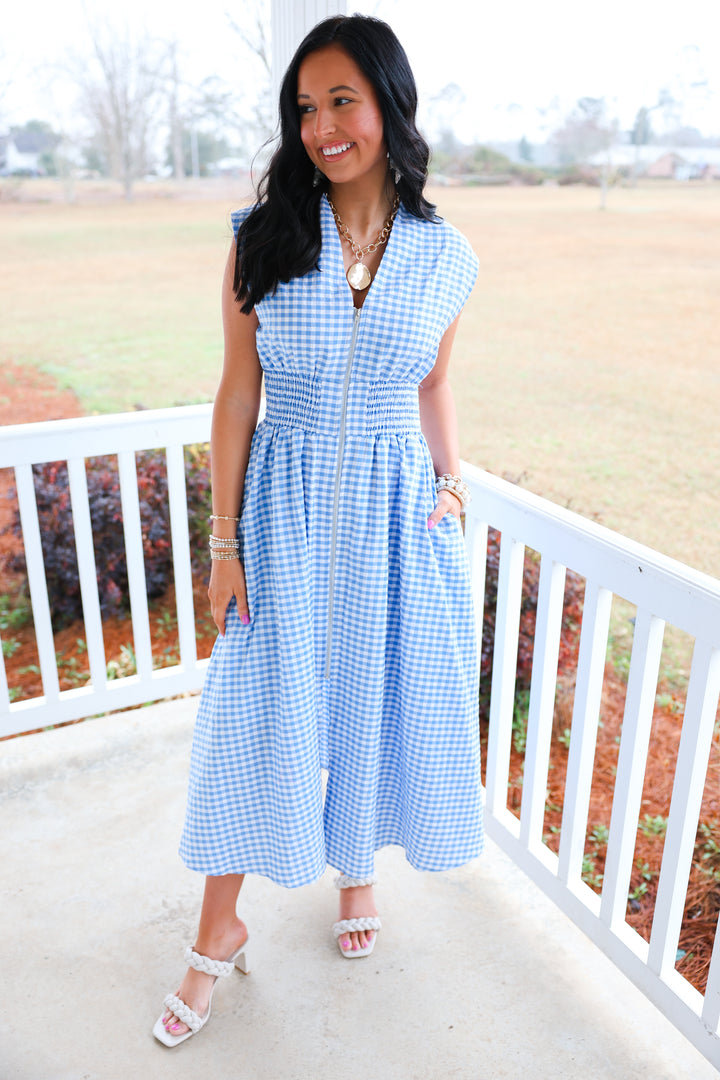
pixel 360 656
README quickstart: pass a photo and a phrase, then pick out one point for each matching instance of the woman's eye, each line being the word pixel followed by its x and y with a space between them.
pixel 341 100
pixel 305 109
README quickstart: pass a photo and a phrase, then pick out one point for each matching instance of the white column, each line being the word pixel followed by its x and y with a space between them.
pixel 291 20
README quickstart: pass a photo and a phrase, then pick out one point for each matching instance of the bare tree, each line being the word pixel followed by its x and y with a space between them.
pixel 175 114
pixel 587 130
pixel 441 116
pixel 688 91
pixel 6 78
pixel 120 89
pixel 251 22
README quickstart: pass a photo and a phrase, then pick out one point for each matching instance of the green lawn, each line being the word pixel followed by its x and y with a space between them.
pixel 588 358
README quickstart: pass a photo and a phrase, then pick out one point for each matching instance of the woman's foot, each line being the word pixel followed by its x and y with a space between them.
pixel 196 987
pixel 354 904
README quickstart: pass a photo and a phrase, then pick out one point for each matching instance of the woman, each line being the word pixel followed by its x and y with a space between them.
pixel 341 594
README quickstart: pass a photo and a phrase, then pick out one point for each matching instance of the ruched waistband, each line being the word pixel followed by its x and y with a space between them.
pixel 316 405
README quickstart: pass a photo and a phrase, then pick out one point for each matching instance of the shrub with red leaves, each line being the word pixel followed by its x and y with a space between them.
pixel 58 536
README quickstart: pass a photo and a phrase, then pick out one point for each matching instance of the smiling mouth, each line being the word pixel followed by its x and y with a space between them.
pixel 335 151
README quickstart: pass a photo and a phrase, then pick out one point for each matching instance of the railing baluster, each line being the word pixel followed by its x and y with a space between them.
pixel 476 538
pixel 711 1005
pixel 36 579
pixel 87 571
pixel 132 527
pixel 637 722
pixel 583 735
pixel 4 691
pixel 182 568
pixel 502 698
pixel 690 771
pixel 551 593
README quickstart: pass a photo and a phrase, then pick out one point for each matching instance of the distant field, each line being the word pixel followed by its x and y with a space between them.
pixel 588 357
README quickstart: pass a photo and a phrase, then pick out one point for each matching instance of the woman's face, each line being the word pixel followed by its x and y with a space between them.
pixel 341 124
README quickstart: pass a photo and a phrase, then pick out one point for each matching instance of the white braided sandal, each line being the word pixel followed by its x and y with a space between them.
pixel 220 969
pixel 351 926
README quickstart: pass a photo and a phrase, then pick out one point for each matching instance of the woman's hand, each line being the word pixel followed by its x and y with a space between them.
pixel 447 503
pixel 227 579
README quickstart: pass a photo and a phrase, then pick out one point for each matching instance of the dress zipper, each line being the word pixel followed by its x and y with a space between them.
pixel 336 497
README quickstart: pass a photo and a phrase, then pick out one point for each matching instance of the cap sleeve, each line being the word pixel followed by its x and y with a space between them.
pixel 460 270
pixel 237 217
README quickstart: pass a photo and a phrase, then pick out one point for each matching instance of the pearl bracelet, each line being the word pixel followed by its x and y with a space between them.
pixel 224 548
pixel 455 485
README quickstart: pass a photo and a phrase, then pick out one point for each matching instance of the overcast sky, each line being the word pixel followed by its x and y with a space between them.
pixel 512 58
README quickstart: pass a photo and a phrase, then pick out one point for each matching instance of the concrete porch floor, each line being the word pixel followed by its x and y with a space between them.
pixel 475 975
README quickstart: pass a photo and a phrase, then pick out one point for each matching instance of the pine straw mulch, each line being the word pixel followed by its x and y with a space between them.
pixel 702 903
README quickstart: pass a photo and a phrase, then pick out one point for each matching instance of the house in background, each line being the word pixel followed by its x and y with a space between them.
pixel 25 153
pixel 662 162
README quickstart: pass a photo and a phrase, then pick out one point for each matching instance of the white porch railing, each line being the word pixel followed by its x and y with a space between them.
pixel 664 592
pixel 73 441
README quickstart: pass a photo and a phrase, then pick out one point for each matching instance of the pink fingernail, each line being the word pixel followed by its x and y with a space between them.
pixel 431 523
pixel 245 619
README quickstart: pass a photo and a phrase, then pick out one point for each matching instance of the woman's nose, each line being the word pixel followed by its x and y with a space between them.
pixel 324 124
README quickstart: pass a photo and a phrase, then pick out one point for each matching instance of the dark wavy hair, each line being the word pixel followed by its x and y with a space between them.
pixel 280 238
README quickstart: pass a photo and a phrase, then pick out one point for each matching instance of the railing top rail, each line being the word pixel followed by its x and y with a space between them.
pixel 668 588
pixel 93 436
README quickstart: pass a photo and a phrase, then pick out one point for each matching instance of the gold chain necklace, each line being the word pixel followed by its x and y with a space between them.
pixel 358 276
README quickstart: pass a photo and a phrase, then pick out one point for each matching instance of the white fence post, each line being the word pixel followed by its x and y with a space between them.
pixel 87 571
pixel 637 721
pixel 36 580
pixel 291 20
pixel 690 771
pixel 548 626
pixel 182 569
pixel 583 731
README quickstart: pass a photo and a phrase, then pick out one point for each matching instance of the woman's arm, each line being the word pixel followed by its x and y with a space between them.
pixel 234 419
pixel 439 425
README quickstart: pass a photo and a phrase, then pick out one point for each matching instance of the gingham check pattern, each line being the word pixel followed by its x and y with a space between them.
pixel 395 723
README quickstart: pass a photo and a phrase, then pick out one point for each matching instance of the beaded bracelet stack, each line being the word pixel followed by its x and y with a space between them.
pixel 224 548
pixel 455 485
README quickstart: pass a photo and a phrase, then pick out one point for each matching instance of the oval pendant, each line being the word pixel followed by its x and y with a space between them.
pixel 358 276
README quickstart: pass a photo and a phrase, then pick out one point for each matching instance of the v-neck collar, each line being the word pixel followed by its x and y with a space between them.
pixel 331 255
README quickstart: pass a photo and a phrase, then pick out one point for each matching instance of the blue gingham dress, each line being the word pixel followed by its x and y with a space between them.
pixel 360 655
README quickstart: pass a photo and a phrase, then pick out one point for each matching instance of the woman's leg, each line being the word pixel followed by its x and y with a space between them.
pixel 220 934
